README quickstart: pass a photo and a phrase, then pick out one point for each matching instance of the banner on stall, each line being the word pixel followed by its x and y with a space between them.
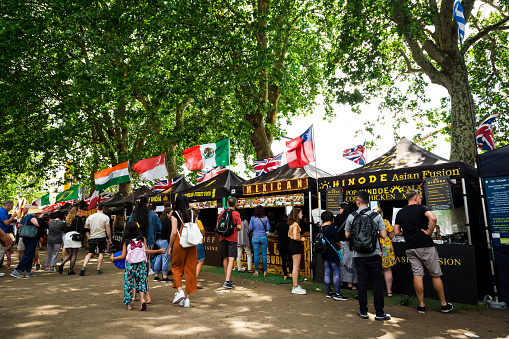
pixel 386 178
pixel 396 192
pixel 275 201
pixel 497 198
pixel 276 186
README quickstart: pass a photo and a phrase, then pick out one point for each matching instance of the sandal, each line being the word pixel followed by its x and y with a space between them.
pixel 389 294
pixel 129 307
pixel 143 305
pixel 148 301
pixel 199 286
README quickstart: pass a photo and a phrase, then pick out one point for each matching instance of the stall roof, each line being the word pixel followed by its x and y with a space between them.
pixel 214 188
pixel 142 191
pixel 494 163
pixel 113 210
pixel 285 173
pixel 164 196
pixel 405 162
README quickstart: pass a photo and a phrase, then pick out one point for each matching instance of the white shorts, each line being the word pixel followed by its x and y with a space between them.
pixel 21 245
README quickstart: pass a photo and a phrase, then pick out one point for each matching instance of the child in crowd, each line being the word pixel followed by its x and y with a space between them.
pixel 135 250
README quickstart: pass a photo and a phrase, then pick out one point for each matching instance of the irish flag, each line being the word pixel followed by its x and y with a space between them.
pixel 43 201
pixel 112 176
pixel 150 169
pixel 208 155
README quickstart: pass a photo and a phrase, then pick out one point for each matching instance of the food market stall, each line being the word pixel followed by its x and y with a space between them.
pixel 206 196
pixel 278 192
pixel 165 196
pixel 450 189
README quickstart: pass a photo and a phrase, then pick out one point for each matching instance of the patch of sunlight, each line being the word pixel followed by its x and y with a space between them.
pixel 29 324
pixel 459 333
pixel 46 310
pixel 175 330
pixel 247 327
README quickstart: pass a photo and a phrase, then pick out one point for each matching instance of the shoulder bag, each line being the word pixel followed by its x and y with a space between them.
pixel 28 231
pixel 190 234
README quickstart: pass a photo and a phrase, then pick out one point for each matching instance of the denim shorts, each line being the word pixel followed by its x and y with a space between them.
pixel 200 250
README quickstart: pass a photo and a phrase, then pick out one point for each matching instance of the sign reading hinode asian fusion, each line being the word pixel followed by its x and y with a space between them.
pixel 386 178
pixel 497 197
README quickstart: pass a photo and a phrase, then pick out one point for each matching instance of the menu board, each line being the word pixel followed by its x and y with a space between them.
pixel 334 197
pixel 438 193
pixel 274 201
pixel 203 204
pixel 497 198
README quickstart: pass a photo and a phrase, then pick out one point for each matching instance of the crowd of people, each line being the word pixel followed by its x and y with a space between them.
pixel 349 261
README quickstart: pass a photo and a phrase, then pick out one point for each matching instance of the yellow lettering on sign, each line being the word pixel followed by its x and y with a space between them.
pixel 279 185
pixel 362 180
pixel 256 188
pixel 372 179
pixel 288 185
pixel 248 189
pixel 351 182
pixel 264 187
pixel 299 183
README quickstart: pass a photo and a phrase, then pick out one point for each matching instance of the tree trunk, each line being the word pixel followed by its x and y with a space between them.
pixel 171 161
pixel 260 138
pixel 463 147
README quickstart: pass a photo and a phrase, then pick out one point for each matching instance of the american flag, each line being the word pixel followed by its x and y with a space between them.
pixel 484 134
pixel 206 175
pixel 267 165
pixel 356 154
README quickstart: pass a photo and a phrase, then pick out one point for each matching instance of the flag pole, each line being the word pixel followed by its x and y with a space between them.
pixel 316 177
pixel 229 168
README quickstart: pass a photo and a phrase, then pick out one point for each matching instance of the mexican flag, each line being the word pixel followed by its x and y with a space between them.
pixel 70 194
pixel 208 155
pixel 42 201
pixel 118 174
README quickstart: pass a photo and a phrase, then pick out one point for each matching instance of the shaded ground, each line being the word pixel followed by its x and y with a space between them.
pixel 51 305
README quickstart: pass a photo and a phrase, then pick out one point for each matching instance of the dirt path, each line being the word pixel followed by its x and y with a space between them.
pixel 51 305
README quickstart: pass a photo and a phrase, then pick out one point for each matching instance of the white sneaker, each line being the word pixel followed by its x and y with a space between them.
pixel 2 274
pixel 298 290
pixel 184 303
pixel 179 296
pixel 150 272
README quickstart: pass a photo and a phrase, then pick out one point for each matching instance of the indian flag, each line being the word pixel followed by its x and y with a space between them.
pixel 208 155
pixel 42 201
pixel 118 174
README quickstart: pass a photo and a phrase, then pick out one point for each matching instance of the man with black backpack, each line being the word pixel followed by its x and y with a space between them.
pixel 364 227
pixel 228 225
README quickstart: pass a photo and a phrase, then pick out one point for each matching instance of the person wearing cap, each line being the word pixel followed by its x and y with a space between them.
pixel 25 263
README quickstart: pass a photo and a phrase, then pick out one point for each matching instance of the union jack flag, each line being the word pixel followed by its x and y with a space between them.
pixel 267 165
pixel 484 134
pixel 356 154
pixel 161 185
pixel 206 175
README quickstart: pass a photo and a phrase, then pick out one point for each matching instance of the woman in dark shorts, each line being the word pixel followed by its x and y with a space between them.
pixel 294 247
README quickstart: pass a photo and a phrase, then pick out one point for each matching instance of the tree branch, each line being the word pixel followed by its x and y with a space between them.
pixel 481 34
pixel 409 64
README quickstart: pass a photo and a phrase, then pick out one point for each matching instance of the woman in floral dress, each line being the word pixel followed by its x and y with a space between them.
pixel 388 256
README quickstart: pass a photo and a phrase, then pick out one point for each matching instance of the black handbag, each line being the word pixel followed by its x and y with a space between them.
pixel 77 237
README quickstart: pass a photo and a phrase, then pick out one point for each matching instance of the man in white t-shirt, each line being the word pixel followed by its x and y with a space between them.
pixel 99 235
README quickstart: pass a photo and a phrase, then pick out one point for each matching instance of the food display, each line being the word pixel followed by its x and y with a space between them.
pixel 203 204
pixel 283 200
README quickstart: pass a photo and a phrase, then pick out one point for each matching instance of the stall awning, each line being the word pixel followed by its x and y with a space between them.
pixel 142 191
pixel 212 189
pixel 403 164
pixel 166 195
pixel 283 179
pixel 494 163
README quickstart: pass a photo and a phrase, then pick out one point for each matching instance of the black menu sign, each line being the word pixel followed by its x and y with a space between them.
pixel 334 198
pixel 438 193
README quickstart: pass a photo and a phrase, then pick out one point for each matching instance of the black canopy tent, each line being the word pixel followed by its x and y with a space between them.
pixel 406 166
pixel 165 196
pixel 283 180
pixel 213 189
pixel 493 166
pixel 116 207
